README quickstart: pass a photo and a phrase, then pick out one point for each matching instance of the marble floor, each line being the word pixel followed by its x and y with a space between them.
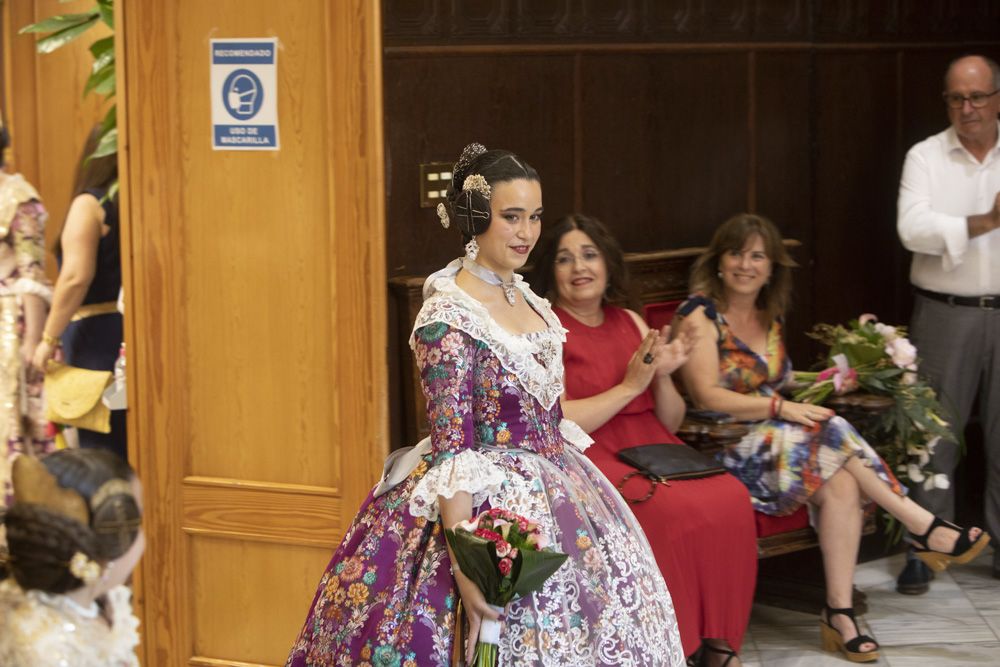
pixel 956 624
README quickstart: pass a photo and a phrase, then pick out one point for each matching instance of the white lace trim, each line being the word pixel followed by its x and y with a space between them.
pixel 38 629
pixel 468 471
pixel 29 286
pixel 449 304
pixel 575 435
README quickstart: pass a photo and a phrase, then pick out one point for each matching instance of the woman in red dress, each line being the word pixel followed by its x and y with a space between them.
pixel 619 389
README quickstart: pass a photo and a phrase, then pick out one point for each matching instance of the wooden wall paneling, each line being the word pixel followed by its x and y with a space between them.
pixel 783 130
pixel 665 145
pixel 48 117
pixel 437 105
pixel 260 402
pixel 856 181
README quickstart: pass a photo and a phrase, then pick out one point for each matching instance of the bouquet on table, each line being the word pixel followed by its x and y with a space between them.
pixel 878 358
pixel 506 556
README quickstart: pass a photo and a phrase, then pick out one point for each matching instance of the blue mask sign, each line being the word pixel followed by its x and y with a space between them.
pixel 244 94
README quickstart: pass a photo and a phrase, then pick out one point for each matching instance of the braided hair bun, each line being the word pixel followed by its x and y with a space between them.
pixel 43 538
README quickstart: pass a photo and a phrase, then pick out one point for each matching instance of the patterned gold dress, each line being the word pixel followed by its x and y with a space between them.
pixel 22 272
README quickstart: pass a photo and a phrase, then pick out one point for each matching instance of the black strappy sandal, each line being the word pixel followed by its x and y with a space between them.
pixel 833 641
pixel 964 550
pixel 707 648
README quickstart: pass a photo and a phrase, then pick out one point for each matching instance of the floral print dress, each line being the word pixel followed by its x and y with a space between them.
pixel 388 596
pixel 22 272
pixel 781 463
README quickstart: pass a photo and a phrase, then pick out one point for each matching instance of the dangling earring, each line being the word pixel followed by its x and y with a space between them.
pixel 472 249
pixel 719 273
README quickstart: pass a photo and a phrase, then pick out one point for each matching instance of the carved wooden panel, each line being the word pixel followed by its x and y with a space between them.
pixel 447 22
pixel 480 18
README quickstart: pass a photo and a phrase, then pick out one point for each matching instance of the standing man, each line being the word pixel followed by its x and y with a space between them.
pixel 949 217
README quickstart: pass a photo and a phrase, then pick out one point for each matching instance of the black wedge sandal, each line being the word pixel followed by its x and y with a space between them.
pixel 833 641
pixel 707 648
pixel 964 550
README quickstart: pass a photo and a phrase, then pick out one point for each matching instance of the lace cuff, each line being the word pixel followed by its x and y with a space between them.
pixel 467 471
pixel 125 626
pixel 575 435
pixel 29 286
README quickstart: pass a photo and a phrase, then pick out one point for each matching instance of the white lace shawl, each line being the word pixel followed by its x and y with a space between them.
pixel 41 630
pixel 447 303
pixel 471 470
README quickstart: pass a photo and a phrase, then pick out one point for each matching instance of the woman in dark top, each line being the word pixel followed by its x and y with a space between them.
pixel 84 319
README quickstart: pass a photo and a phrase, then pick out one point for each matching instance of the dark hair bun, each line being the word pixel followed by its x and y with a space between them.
pixel 116 524
pixel 42 543
pixel 471 212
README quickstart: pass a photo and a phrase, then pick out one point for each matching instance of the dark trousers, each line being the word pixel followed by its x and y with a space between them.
pixel 959 348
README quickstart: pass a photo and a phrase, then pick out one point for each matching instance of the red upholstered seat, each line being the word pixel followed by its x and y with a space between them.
pixel 660 314
pixel 775 525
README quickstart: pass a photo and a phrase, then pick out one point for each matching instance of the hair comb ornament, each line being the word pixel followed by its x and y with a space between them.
pixel 442 212
pixel 469 153
pixel 34 484
pixel 83 568
pixel 112 487
pixel 477 183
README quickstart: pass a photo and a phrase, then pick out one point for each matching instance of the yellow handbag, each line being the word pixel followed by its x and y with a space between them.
pixel 73 397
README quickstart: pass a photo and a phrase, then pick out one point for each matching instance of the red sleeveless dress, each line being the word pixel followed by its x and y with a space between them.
pixel 702 530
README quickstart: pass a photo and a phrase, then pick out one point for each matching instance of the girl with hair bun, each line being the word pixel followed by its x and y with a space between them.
pixel 490 357
pixel 74 535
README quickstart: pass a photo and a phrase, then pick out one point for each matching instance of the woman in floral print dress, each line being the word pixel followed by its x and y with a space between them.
pixel 795 453
pixel 489 353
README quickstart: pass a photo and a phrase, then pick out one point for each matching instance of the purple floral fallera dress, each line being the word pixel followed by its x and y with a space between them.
pixel 388 596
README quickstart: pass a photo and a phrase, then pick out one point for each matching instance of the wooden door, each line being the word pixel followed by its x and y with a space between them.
pixel 255 317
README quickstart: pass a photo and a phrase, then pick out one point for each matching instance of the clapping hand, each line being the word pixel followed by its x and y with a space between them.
pixel 669 355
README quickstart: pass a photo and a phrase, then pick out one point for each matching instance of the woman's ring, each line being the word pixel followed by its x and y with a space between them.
pixel 648 359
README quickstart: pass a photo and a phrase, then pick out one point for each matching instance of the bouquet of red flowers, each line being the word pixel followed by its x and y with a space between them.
pixel 506 556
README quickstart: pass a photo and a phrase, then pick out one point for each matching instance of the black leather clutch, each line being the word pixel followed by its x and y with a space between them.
pixel 663 463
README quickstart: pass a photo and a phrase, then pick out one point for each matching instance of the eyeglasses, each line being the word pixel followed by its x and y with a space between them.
pixel 977 99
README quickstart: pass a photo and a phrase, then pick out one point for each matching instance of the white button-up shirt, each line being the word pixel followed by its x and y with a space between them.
pixel 942 184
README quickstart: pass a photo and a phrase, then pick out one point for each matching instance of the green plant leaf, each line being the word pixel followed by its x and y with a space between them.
pixel 108 145
pixel 103 46
pixel 535 568
pixel 57 23
pixel 106 7
pixel 63 37
pixel 102 82
pixel 110 119
pixel 477 560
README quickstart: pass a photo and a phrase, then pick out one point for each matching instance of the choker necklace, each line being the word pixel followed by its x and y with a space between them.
pixel 491 277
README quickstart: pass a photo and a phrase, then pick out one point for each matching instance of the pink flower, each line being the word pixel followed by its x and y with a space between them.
pixel 540 541
pixel 505 565
pixel 866 318
pixel 472 525
pixel 503 548
pixel 487 534
pixel 845 378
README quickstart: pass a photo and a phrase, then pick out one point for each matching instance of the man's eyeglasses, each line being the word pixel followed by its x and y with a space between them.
pixel 977 100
